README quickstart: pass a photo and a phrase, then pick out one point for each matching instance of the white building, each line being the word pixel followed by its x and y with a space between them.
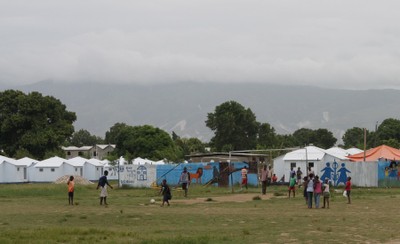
pixel 48 170
pixel 93 169
pixel 309 156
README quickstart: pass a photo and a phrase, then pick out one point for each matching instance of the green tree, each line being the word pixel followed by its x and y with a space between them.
pixel 303 137
pixel 33 123
pixel 354 137
pixel 189 146
pixel 233 125
pixel 113 133
pixel 320 137
pixel 388 129
pixel 324 138
pixel 145 141
pixel 266 136
pixel 84 138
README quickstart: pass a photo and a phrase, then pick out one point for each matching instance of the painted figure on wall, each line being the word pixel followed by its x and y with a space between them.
pixel 141 173
pixel 342 174
pixel 197 175
pixel 327 172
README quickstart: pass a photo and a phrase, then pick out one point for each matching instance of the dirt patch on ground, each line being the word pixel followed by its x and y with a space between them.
pixel 241 197
pixel 78 180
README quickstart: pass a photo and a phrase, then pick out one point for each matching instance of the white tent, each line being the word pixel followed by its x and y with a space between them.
pixel 48 170
pixel 8 170
pixel 93 169
pixel 313 156
pixel 75 166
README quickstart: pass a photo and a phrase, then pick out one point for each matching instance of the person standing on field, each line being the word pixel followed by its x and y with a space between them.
pixel 244 178
pixel 185 181
pixel 166 192
pixel 103 183
pixel 326 193
pixel 71 189
pixel 292 184
pixel 348 189
pixel 270 174
pixel 264 178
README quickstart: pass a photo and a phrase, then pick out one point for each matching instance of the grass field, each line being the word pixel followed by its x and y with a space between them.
pixel 39 213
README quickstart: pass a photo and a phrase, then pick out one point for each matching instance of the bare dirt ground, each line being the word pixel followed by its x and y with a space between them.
pixel 239 197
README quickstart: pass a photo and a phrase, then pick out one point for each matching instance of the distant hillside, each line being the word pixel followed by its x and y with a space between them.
pixel 183 107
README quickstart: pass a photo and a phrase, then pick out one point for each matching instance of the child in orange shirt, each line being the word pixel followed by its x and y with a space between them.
pixel 71 187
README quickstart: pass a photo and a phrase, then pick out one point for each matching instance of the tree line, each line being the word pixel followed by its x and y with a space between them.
pixel 38 126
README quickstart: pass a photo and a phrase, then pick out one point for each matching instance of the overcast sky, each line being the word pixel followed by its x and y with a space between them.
pixel 342 44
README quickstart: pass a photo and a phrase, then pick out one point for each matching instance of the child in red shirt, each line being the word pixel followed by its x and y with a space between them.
pixel 348 189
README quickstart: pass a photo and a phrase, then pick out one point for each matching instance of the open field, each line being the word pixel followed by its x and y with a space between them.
pixel 39 213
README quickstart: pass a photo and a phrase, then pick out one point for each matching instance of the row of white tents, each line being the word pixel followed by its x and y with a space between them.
pixel 49 170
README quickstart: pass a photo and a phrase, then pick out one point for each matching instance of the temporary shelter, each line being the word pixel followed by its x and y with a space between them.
pixel 74 166
pixel 8 170
pixel 312 156
pixel 374 154
pixel 93 169
pixel 48 170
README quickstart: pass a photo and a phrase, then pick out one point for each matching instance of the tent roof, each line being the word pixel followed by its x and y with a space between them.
pixel 308 153
pixel 376 153
pixel 25 161
pixel 95 162
pixel 51 162
pixel 4 158
pixel 313 153
pixel 77 161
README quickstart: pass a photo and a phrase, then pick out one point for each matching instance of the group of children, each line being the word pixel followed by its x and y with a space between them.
pixel 103 183
pixel 314 188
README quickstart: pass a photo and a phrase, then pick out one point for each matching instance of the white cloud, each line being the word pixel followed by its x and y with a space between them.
pixel 335 44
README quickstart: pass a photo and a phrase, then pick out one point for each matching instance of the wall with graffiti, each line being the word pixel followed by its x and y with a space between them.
pixel 361 173
pixel 137 175
pixel 388 173
pixel 216 174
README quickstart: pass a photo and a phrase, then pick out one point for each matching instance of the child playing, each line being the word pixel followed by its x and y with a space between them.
pixel 326 193
pixel 71 187
pixel 348 189
pixel 103 183
pixel 166 192
pixel 305 182
pixel 292 183
pixel 317 190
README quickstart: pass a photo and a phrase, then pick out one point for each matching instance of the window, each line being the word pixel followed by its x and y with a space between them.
pixel 52 170
pixel 40 170
pixel 68 153
pixel 292 166
pixel 94 154
pixel 80 153
pixel 18 169
pixel 76 169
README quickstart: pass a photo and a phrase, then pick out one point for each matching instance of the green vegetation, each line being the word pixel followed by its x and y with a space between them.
pixel 39 213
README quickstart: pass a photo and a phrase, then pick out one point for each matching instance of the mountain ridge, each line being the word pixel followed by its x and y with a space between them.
pixel 183 107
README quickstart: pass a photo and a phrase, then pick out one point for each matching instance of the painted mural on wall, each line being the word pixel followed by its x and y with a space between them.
pixel 336 173
pixel 137 175
pixel 207 174
pixel 388 173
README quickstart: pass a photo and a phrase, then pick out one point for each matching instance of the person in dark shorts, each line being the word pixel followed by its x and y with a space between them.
pixel 185 181
pixel 166 192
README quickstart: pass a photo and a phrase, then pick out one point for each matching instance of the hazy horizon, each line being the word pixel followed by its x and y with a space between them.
pixel 340 44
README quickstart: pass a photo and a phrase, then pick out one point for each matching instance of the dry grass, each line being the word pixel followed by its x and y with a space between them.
pixel 39 213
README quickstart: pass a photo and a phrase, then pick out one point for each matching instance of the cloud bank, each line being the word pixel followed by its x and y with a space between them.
pixel 338 44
